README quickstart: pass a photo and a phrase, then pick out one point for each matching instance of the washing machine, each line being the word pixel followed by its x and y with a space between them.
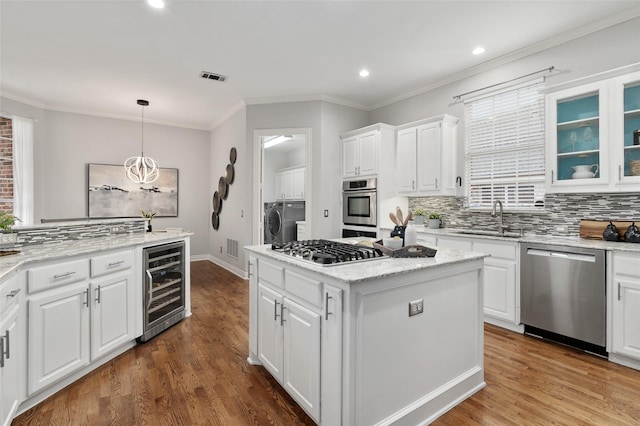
pixel 273 222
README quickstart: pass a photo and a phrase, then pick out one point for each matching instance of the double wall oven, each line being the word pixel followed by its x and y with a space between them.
pixel 359 207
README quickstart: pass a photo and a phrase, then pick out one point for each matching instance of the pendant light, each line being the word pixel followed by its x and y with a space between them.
pixel 142 169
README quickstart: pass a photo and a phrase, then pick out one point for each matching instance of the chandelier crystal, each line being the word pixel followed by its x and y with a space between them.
pixel 142 169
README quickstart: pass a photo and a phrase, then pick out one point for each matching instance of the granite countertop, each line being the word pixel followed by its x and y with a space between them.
pixel 355 272
pixel 567 241
pixel 43 252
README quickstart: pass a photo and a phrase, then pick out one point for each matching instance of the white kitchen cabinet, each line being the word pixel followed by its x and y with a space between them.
pixel 299 337
pixel 625 307
pixel 427 157
pixel 290 184
pixel 501 274
pixel 11 347
pixel 58 334
pixel 79 311
pixel 112 307
pixel 360 154
pixel 589 133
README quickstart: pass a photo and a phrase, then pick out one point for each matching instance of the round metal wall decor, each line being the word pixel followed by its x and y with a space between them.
pixel 217 202
pixel 229 174
pixel 223 188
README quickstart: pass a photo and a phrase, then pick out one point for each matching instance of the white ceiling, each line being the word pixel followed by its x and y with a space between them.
pixel 99 56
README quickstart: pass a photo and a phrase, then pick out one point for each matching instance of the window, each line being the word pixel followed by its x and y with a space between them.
pixel 16 166
pixel 505 148
pixel 6 164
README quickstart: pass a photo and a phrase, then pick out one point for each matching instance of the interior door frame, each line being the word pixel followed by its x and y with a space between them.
pixel 258 178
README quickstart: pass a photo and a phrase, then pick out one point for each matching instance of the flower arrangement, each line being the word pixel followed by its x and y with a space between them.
pixel 148 215
pixel 434 215
pixel 419 212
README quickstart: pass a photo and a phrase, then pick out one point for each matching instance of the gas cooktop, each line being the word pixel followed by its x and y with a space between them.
pixel 327 252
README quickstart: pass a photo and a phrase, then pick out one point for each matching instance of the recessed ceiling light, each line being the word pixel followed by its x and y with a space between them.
pixel 158 4
pixel 364 73
pixel 478 50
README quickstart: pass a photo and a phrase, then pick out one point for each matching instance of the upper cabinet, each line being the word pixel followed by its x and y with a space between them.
pixel 590 136
pixel 360 154
pixel 290 183
pixel 427 157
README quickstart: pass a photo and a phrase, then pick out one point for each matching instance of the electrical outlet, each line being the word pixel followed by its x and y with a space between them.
pixel 10 238
pixel 416 307
pixel 115 229
pixel 561 228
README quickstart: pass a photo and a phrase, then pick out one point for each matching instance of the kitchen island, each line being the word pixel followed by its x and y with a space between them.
pixel 381 341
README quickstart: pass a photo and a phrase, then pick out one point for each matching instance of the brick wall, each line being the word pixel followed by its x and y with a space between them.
pixel 6 164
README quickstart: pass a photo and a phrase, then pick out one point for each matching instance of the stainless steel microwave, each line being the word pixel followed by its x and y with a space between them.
pixel 359 202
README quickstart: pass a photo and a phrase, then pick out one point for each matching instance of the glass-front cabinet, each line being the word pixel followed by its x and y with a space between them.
pixel 593 136
pixel 577 137
pixel 628 106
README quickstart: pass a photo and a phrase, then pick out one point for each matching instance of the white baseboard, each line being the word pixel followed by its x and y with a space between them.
pixel 239 272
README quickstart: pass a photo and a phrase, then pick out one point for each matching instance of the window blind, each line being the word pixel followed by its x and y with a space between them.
pixel 504 148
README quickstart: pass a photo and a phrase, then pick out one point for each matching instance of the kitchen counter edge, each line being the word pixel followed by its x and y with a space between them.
pixel 61 250
pixel 356 272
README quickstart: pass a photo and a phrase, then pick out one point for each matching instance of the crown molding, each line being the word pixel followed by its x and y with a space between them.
pixel 565 37
pixel 305 98
pixel 237 107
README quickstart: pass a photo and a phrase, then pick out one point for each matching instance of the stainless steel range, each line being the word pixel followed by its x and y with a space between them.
pixel 327 253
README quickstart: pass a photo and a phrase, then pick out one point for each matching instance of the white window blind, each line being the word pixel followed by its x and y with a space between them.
pixel 504 148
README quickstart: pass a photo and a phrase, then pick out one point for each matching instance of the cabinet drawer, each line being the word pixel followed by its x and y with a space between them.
pixel 303 288
pixel 112 262
pixel 503 251
pixel 58 274
pixel 270 273
pixel 626 264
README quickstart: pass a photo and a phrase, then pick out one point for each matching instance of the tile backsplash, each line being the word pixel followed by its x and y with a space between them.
pixel 561 210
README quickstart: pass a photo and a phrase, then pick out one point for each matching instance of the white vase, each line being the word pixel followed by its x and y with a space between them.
pixel 410 235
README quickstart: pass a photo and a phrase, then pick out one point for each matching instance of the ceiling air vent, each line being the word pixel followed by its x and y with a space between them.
pixel 213 76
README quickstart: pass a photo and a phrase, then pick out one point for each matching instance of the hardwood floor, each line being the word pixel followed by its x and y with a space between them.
pixel 196 374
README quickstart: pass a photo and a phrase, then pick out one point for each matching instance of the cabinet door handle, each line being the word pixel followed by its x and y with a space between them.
pixel 112 264
pixel 619 172
pixel 149 289
pixel 619 291
pixel 1 351
pixel 275 310
pixel 13 293
pixel 413 184
pixel 436 182
pixel 98 294
pixel 249 265
pixel 86 297
pixel 66 274
pixel 326 306
pixel 551 176
pixel 7 348
pixel 282 308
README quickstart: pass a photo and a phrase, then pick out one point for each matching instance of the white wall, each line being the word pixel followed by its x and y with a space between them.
pixel 235 215
pixel 597 52
pixel 64 143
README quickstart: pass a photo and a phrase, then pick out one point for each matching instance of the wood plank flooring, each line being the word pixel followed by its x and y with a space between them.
pixel 196 374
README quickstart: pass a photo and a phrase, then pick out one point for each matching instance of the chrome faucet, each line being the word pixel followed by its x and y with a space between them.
pixel 494 214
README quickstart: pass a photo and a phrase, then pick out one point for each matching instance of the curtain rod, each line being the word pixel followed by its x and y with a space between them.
pixel 551 68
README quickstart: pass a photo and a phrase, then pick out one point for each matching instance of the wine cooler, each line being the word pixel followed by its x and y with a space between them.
pixel 164 293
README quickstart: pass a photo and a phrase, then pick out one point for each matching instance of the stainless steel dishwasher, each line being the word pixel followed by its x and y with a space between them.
pixel 563 295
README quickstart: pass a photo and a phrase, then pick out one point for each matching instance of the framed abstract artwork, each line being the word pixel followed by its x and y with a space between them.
pixel 111 194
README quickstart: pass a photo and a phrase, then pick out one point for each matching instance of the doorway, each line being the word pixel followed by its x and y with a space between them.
pixel 282 185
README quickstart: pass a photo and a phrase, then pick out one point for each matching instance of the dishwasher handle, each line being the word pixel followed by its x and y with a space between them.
pixel 581 257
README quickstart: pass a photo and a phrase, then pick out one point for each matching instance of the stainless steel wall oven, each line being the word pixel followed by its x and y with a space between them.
pixel 359 202
pixel 164 292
